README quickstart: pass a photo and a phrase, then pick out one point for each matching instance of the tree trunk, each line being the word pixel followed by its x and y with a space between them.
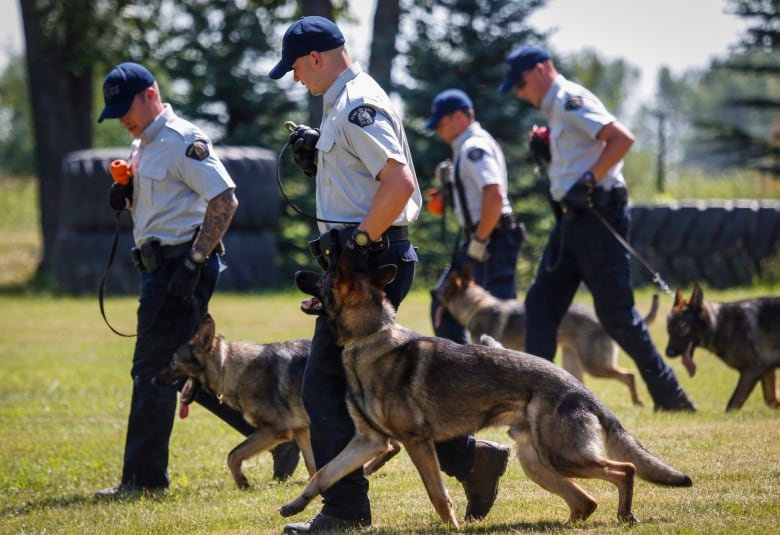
pixel 61 102
pixel 386 20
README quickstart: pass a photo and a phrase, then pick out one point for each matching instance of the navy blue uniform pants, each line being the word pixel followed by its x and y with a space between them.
pixel 324 391
pixel 496 275
pixel 164 323
pixel 582 249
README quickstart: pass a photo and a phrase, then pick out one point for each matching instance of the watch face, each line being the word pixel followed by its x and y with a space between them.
pixel 197 256
pixel 362 238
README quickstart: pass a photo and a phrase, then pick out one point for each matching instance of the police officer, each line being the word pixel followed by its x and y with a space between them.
pixel 182 200
pixel 367 196
pixel 477 184
pixel 587 146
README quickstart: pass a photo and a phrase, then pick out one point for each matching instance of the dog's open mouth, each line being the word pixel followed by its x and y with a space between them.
pixel 687 359
pixel 188 394
pixel 312 306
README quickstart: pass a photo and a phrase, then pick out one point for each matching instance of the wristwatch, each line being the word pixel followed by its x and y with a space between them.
pixel 361 237
pixel 588 179
pixel 197 256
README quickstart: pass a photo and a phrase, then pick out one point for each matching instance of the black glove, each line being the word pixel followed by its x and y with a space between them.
pixel 357 248
pixel 580 195
pixel 184 279
pixel 303 141
pixel 120 196
pixel 539 144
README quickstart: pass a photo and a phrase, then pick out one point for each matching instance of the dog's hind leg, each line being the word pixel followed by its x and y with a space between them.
pixel 363 447
pixel 620 474
pixel 423 455
pixel 769 385
pixel 379 461
pixel 263 439
pixel 581 504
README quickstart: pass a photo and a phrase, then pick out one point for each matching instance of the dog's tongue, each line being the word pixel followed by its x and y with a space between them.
pixel 687 358
pixel 438 315
pixel 311 306
pixel 186 399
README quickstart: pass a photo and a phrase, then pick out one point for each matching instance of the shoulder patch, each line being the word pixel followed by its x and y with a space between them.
pixel 476 155
pixel 574 103
pixel 362 116
pixel 199 150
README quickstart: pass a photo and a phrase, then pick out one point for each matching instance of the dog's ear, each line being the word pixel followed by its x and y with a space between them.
pixel 467 273
pixel 678 298
pixel 205 333
pixel 384 275
pixel 697 297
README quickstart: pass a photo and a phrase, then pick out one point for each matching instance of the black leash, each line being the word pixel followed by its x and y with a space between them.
pixel 291 126
pixel 657 279
pixel 101 289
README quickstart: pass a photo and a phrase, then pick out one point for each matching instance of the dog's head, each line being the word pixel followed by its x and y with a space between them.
pixel 353 301
pixel 455 283
pixel 684 325
pixel 189 360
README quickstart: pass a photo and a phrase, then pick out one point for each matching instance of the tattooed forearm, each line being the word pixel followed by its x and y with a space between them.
pixel 219 213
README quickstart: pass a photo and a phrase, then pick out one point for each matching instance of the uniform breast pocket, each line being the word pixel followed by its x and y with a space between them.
pixel 326 141
pixel 152 182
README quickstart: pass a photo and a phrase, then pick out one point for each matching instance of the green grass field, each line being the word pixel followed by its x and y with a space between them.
pixel 65 391
pixel 64 402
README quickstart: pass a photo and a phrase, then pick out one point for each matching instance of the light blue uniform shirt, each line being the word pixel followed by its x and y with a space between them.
pixel 175 174
pixel 480 162
pixel 575 117
pixel 360 131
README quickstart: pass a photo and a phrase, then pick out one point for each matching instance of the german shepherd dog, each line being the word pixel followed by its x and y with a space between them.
pixel 585 345
pixel 262 381
pixel 418 390
pixel 744 334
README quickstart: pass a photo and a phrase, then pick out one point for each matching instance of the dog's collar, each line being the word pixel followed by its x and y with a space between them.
pixel 355 342
pixel 221 393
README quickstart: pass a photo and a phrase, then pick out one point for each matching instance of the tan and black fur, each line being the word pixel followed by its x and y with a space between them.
pixel 262 381
pixel 419 390
pixel 744 334
pixel 585 345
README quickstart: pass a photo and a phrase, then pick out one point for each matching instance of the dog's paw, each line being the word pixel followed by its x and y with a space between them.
pixel 293 508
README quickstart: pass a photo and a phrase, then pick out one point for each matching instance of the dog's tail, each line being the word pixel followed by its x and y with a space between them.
pixel 622 446
pixel 651 315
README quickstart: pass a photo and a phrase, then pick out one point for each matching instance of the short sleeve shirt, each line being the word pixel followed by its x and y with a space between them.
pixel 360 132
pixel 479 162
pixel 175 174
pixel 575 116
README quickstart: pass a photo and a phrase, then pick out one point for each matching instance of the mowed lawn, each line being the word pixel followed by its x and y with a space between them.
pixel 65 390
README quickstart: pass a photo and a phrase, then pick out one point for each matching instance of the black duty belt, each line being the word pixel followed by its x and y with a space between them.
pixel 323 247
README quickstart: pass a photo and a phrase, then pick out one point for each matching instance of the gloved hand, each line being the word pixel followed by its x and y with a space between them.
pixel 303 141
pixel 539 144
pixel 357 251
pixel 580 195
pixel 184 279
pixel 120 196
pixel 478 249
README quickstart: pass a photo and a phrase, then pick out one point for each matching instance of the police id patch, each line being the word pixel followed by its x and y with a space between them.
pixel 199 150
pixel 362 116
pixel 574 103
pixel 476 155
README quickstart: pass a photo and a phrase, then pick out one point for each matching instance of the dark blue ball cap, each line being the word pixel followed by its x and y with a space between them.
pixel 120 87
pixel 305 35
pixel 520 60
pixel 445 103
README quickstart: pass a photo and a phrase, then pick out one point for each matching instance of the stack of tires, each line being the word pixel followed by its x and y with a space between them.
pixel 720 244
pixel 87 224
